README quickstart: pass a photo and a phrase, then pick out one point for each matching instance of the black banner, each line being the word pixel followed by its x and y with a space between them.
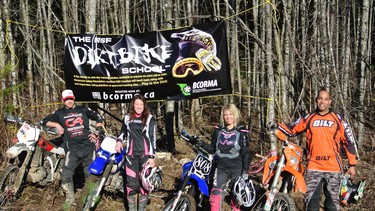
pixel 162 65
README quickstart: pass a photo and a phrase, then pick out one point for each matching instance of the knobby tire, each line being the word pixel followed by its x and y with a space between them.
pixel 88 190
pixel 185 203
pixel 282 202
pixel 7 179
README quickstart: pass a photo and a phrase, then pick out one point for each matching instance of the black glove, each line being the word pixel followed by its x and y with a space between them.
pixel 100 129
pixel 193 140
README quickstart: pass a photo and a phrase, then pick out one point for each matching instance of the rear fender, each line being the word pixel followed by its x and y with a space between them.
pixel 203 187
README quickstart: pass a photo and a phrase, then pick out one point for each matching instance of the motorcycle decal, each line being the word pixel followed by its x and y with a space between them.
pixel 322 123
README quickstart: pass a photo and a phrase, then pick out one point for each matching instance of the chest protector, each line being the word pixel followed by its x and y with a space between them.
pixel 227 144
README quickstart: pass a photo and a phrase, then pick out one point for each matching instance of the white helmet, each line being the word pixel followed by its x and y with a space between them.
pixel 350 192
pixel 151 178
pixel 243 192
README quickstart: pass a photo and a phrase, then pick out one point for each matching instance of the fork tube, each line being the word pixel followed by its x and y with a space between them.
pixel 273 189
pixel 183 185
pixel 104 178
pixel 279 166
pixel 22 171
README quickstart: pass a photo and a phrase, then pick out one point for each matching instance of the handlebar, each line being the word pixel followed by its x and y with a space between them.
pixel 194 140
pixel 13 119
pixel 16 119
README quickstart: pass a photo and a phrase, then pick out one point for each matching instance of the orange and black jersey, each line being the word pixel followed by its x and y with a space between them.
pixel 325 135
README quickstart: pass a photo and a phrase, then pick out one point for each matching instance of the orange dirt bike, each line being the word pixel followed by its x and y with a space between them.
pixel 282 174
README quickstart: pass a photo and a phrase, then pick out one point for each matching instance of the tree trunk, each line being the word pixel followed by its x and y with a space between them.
pixel 365 44
pixel 270 71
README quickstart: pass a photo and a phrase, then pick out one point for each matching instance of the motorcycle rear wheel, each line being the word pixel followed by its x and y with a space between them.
pixel 86 199
pixel 185 203
pixel 8 178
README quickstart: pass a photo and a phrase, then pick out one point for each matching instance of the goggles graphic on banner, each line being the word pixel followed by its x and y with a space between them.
pixel 185 66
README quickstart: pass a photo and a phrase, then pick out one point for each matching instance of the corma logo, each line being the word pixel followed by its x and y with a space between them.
pixel 185 89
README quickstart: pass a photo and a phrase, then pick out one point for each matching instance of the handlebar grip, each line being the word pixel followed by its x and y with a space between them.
pixel 11 118
pixel 280 135
pixel 50 130
pixel 188 138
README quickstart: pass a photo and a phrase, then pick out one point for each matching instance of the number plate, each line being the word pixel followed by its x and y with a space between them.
pixel 201 165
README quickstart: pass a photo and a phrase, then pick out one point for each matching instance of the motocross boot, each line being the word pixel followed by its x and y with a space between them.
pixel 132 202
pixel 234 206
pixel 69 193
pixel 143 199
pixel 215 199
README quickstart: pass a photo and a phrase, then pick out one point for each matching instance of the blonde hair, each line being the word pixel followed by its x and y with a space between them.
pixel 234 110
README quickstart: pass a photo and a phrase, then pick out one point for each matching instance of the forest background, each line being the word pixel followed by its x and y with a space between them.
pixel 281 53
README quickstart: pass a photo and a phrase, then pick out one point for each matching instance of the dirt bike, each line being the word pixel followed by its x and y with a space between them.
pixel 105 175
pixel 195 176
pixel 282 174
pixel 32 159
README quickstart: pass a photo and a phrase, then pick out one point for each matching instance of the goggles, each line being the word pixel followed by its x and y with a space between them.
pixel 187 66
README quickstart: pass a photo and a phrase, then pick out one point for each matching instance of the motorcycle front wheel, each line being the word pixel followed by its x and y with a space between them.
pixel 8 178
pixel 202 201
pixel 87 199
pixel 282 202
pixel 185 203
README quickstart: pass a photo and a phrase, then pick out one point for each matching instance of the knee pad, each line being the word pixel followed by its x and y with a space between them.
pixel 216 191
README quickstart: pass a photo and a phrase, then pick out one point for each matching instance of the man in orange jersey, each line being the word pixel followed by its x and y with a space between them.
pixel 326 133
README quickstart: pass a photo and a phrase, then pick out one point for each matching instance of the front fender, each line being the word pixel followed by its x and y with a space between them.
pixel 15 150
pixel 300 184
pixel 98 165
pixel 203 187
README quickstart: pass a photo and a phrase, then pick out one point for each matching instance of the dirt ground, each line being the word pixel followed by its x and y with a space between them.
pixel 51 198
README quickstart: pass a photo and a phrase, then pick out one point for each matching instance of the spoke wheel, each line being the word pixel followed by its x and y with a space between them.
pixel 185 203
pixel 282 202
pixel 8 178
pixel 86 200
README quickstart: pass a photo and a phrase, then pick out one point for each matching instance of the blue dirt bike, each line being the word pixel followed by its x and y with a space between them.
pixel 194 191
pixel 105 175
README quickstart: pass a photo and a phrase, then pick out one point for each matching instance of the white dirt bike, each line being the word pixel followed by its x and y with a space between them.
pixel 32 159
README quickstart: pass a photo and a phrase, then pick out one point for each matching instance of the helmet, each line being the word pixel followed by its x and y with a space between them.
pixel 151 177
pixel 243 192
pixel 350 192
